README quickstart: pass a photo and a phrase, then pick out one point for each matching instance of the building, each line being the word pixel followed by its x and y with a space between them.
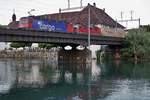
pixel 98 17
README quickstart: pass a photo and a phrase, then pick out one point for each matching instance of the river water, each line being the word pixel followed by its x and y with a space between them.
pixel 37 79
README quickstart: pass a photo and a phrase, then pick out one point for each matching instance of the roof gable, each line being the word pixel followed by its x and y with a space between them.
pixel 97 16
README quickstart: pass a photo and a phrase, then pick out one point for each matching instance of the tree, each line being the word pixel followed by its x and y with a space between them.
pixel 137 44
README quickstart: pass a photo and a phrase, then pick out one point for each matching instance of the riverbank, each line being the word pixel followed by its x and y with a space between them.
pixel 54 55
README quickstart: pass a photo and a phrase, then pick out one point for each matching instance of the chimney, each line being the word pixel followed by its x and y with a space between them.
pixel 14 17
pixel 94 4
pixel 59 14
pixel 68 4
pixel 59 10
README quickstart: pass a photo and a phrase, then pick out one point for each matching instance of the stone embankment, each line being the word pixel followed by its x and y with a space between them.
pixel 54 55
pixel 51 54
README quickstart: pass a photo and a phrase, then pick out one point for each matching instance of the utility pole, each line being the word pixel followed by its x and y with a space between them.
pixel 81 4
pixel 122 15
pixel 68 4
pixel 89 22
pixel 73 8
pixel 129 20
pixel 131 12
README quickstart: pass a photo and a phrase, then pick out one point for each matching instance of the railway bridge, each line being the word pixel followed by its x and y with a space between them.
pixel 73 39
pixel 33 36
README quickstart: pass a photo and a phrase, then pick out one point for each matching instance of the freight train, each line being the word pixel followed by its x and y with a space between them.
pixel 56 26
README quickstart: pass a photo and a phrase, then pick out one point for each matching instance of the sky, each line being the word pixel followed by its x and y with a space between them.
pixel 113 8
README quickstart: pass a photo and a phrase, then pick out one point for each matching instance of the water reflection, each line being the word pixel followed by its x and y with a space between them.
pixel 6 76
pixel 125 69
pixel 39 79
pixel 31 76
pixel 96 71
pixel 38 73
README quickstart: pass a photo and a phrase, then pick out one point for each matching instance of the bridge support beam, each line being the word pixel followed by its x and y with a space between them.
pixel 74 56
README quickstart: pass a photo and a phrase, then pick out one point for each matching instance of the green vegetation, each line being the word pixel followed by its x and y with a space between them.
pixel 17 45
pixel 3 26
pixel 46 45
pixel 145 27
pixel 137 44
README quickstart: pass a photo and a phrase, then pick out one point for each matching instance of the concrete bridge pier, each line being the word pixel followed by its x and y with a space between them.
pixel 74 56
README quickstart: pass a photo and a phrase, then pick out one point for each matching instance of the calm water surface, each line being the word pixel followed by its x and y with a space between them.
pixel 37 79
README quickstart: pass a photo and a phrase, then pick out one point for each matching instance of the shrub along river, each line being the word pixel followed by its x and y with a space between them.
pixel 37 79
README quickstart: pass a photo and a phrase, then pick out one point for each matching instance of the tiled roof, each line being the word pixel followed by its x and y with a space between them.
pixel 13 24
pixel 98 16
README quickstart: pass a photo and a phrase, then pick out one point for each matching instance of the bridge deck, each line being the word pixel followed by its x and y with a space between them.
pixel 24 35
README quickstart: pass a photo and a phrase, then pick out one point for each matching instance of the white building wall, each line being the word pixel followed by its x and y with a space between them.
pixel 4 45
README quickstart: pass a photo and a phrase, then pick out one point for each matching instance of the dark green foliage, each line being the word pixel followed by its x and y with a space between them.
pixel 145 27
pixel 46 45
pixel 17 45
pixel 137 43
pixel 3 26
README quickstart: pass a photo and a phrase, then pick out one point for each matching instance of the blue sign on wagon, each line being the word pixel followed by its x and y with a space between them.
pixel 49 26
